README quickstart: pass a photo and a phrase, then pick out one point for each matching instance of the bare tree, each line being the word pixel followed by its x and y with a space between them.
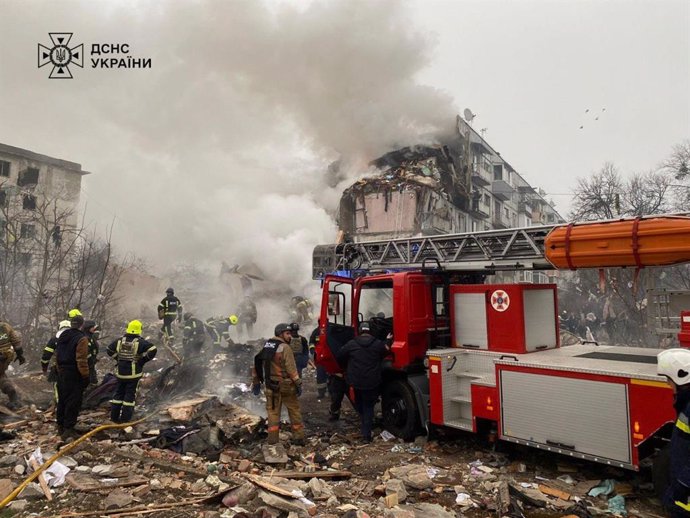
pixel 646 193
pixel 598 197
pixel 50 263
pixel 678 162
pixel 607 195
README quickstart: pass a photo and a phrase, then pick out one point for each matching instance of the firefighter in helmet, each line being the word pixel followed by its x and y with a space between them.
pixel 301 310
pixel 300 348
pixel 169 309
pixel 10 351
pixel 92 332
pixel 675 365
pixel 247 315
pixel 218 329
pixel 274 367
pixel 193 336
pixel 131 352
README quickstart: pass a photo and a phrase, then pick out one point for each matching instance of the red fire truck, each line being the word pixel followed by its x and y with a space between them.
pixel 486 358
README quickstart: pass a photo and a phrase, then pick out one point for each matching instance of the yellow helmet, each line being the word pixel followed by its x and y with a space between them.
pixel 74 313
pixel 134 328
pixel 233 320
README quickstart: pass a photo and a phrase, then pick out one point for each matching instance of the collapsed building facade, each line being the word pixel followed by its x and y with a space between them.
pixel 459 184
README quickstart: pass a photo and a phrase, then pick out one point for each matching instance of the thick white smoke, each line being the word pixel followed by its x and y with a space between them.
pixel 219 151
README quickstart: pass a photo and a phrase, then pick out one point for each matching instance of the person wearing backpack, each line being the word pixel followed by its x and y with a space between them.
pixel 131 352
pixel 274 367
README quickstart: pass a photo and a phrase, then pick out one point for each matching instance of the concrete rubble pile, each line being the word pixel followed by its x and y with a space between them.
pixel 202 454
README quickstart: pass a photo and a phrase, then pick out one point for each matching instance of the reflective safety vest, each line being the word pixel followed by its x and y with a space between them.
pixel 131 355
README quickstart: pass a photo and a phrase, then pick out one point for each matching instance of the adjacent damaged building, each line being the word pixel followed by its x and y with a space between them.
pixel 459 184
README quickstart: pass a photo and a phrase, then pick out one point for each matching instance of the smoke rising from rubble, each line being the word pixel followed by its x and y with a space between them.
pixel 219 151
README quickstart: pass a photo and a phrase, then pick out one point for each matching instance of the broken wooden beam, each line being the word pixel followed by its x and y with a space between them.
pixel 306 475
pixel 41 479
pixel 140 509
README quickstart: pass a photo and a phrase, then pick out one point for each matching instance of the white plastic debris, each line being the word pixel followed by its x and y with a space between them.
pixel 463 499
pixel 55 474
pixel 387 436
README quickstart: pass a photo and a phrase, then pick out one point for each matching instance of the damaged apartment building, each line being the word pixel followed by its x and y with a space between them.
pixel 460 184
pixel 39 196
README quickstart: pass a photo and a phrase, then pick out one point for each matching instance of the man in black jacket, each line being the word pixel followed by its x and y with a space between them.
pixel 361 358
pixel 72 358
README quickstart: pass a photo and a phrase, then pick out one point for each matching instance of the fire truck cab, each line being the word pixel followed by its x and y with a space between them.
pixel 486 358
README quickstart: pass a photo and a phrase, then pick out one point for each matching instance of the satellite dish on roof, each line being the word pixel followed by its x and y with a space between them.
pixel 469 116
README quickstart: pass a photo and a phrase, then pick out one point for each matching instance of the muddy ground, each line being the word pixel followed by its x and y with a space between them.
pixel 459 462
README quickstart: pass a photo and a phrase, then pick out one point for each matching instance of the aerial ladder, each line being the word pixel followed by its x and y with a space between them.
pixel 626 242
pixel 486 358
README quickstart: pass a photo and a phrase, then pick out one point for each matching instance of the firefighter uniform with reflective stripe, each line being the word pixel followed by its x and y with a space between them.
pixel 677 498
pixel 10 350
pixel 193 337
pixel 278 371
pixel 131 352
pixel 170 309
pixel 219 330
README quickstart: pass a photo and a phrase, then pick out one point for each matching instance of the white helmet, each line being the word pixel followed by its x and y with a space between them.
pixel 675 365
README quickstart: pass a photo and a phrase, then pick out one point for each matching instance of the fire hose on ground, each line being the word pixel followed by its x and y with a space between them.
pixel 65 449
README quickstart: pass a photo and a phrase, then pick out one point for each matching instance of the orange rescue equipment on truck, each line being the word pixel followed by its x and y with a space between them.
pixel 639 242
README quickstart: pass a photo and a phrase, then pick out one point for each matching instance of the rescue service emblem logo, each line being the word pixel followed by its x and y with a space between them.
pixel 61 55
pixel 500 300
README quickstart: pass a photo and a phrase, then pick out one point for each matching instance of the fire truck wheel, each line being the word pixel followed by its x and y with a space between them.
pixel 660 471
pixel 399 408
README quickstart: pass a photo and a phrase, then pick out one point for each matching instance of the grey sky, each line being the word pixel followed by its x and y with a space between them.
pixel 530 69
pixel 218 152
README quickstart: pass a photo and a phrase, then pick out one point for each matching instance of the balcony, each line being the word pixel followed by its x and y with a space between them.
pixel 498 223
pixel 478 179
pixel 479 211
pixel 525 208
pixel 502 190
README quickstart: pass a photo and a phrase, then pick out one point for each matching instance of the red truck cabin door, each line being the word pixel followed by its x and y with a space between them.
pixel 336 322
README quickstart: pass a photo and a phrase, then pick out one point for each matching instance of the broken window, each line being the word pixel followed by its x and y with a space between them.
pixel 28 231
pixel 29 202
pixel 487 200
pixel 28 177
pixel 3 198
pixel 4 168
pixel 498 172
pixel 497 210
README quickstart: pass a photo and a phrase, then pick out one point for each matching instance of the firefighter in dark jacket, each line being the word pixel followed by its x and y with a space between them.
pixel 72 359
pixel 10 351
pixel 274 366
pixel 131 352
pixel 247 316
pixel 193 336
pixel 48 365
pixel 169 309
pixel 321 374
pixel 92 332
pixel 218 329
pixel 300 348
pixel 675 365
pixel 361 358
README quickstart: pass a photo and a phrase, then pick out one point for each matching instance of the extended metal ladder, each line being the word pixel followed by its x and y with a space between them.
pixel 511 249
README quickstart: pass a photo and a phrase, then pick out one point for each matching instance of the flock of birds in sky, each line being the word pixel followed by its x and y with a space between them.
pixel 589 114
